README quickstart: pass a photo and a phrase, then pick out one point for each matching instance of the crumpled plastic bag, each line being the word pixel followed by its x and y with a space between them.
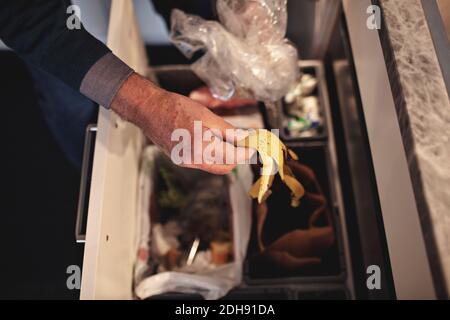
pixel 246 52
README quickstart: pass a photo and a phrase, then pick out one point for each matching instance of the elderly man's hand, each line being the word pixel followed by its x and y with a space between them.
pixel 159 113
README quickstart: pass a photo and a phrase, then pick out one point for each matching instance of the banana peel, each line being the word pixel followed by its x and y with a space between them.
pixel 297 189
pixel 272 152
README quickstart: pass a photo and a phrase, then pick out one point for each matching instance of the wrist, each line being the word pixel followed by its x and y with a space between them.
pixel 136 97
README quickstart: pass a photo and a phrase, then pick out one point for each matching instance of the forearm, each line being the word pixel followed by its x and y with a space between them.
pixel 136 96
pixel 150 108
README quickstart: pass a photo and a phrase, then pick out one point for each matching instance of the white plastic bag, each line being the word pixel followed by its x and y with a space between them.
pixel 211 283
pixel 247 51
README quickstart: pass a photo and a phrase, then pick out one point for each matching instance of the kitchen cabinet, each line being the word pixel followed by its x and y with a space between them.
pixel 373 199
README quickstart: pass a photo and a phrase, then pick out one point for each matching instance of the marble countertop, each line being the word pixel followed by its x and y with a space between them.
pixel 423 108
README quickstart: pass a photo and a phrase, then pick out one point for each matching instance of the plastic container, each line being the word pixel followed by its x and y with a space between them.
pixel 277 116
pixel 312 284
pixel 282 219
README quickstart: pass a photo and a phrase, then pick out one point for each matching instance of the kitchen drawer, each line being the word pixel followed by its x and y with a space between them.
pixel 109 242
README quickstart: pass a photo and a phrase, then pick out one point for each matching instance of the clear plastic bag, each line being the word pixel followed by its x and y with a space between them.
pixel 246 52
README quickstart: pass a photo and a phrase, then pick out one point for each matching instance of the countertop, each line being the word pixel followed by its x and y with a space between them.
pixel 423 108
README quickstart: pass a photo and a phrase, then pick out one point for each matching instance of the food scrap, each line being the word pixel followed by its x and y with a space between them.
pixel 302 108
pixel 272 152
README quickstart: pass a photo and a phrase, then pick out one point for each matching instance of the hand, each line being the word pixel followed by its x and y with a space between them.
pixel 159 113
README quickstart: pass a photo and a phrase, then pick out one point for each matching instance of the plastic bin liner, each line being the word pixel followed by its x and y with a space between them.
pixel 210 283
pixel 246 52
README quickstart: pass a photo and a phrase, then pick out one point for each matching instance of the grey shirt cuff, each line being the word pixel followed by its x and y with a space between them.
pixel 104 79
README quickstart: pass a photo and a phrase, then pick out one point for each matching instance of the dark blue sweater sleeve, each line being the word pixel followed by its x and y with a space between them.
pixel 36 30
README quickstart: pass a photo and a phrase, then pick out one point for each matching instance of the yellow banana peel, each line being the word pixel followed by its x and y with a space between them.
pixel 272 152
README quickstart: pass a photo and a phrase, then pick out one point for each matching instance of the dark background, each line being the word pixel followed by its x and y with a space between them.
pixel 40 195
